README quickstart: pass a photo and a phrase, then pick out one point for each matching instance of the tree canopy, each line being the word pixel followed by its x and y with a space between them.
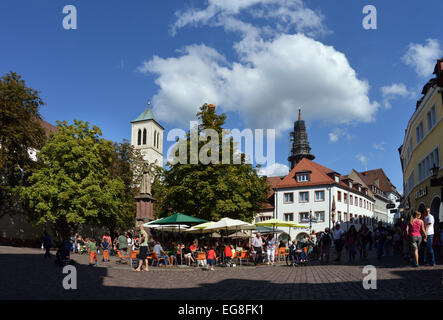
pixel 73 184
pixel 20 131
pixel 210 190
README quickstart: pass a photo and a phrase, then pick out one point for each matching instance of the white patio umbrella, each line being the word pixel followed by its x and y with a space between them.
pixel 229 224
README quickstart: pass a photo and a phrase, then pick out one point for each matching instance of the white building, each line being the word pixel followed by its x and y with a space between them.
pixel 311 190
pixel 147 136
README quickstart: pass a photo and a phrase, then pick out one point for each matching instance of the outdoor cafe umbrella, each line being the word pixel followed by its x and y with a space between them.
pixel 180 219
pixel 279 223
pixel 227 224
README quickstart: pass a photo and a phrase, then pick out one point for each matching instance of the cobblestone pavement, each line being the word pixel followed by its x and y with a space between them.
pixel 25 274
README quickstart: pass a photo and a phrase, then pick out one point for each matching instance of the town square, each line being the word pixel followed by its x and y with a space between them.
pixel 221 151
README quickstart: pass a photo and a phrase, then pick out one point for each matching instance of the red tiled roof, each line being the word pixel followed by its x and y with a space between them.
pixel 320 175
pixel 384 184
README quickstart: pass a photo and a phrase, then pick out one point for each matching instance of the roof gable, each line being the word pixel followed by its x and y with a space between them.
pixel 318 175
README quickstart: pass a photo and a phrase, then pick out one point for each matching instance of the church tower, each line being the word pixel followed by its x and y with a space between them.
pixel 147 136
pixel 300 144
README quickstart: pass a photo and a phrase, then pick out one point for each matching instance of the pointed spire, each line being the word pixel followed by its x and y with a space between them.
pixel 300 145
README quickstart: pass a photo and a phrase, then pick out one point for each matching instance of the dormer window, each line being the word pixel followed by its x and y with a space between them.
pixel 337 179
pixel 303 177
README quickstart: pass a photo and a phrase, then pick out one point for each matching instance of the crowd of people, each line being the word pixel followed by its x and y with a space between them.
pixel 411 238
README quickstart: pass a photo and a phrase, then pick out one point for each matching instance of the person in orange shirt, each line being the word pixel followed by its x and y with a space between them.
pixel 92 249
pixel 211 258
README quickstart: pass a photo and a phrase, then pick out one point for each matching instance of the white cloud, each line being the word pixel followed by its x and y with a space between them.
pixel 363 159
pixel 379 146
pixel 423 57
pixel 274 170
pixel 266 86
pixel 282 15
pixel 337 133
pixel 394 91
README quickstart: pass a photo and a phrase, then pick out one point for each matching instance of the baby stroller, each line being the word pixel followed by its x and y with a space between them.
pixel 63 255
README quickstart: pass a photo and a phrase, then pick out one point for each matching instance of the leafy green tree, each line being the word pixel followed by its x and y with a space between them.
pixel 212 191
pixel 73 185
pixel 126 165
pixel 20 131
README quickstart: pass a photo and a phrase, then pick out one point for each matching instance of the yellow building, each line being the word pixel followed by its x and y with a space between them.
pixel 420 153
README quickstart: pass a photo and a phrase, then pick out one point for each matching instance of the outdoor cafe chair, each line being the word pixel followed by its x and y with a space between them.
pixel 201 256
pixel 244 255
pixel 155 258
pixel 282 252
pixel 122 257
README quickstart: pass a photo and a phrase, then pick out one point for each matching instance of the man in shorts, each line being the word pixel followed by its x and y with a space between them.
pixel 143 255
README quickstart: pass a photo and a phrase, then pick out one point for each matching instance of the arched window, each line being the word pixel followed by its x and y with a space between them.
pixel 155 137
pixel 144 136
pixel 139 138
pixel 158 139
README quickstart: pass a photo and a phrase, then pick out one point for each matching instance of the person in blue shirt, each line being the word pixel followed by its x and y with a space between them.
pixel 47 244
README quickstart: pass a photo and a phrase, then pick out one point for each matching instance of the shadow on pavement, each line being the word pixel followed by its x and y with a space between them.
pixel 30 276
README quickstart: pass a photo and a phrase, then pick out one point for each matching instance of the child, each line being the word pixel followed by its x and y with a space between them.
pixel 92 249
pixel 211 258
pixel 105 247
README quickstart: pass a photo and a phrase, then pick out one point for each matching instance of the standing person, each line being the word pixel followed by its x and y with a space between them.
pixel 314 242
pixel 212 256
pixel 143 255
pixel 270 247
pixel 325 244
pixel 47 244
pixel 92 250
pixel 380 234
pixel 73 242
pixel 364 237
pixel 414 229
pixel 351 243
pixel 389 244
pixel 429 229
pixel 105 247
pixel 338 236
pixel 405 241
pixel 257 244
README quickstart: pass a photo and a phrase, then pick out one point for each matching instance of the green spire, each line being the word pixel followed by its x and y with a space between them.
pixel 146 115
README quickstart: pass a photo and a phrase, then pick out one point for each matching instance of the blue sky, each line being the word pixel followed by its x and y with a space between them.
pixel 257 60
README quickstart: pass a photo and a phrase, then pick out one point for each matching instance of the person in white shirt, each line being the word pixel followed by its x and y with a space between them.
pixel 338 236
pixel 257 244
pixel 429 228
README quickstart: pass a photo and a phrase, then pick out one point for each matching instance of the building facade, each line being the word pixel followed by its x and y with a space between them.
pixel 317 197
pixel 420 153
pixel 386 196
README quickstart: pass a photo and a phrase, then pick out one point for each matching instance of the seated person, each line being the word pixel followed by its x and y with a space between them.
pixel 187 253
pixel 161 253
pixel 193 247
pixel 300 250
